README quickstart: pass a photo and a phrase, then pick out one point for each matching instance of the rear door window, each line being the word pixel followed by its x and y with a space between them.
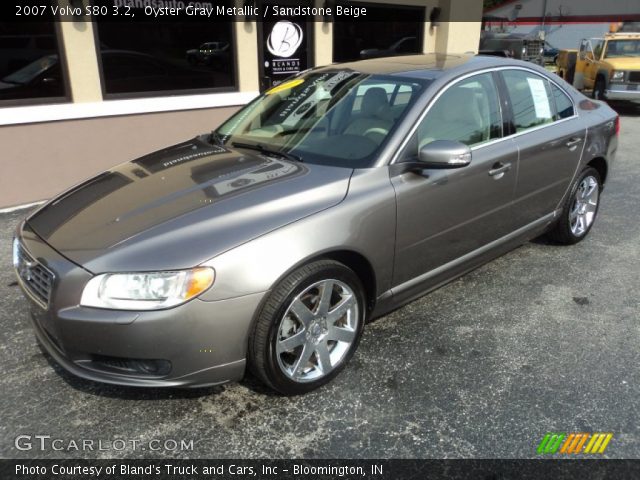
pixel 530 100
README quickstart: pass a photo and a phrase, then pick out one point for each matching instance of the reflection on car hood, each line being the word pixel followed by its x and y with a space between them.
pixel 178 207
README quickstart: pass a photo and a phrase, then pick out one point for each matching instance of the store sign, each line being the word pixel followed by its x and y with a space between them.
pixel 285 39
pixel 285 48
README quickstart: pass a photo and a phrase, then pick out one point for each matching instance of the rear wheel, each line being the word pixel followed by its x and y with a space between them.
pixel 309 328
pixel 580 209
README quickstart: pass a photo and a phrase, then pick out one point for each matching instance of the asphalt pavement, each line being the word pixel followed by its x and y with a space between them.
pixel 543 339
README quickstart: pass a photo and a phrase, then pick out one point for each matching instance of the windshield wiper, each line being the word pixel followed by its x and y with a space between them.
pixel 267 151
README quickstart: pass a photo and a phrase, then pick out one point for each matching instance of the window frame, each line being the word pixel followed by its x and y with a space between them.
pixel 64 75
pixel 398 158
pixel 233 43
pixel 507 100
pixel 555 102
pixel 508 130
pixel 512 116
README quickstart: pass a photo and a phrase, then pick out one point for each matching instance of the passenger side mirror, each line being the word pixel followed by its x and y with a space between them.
pixel 444 154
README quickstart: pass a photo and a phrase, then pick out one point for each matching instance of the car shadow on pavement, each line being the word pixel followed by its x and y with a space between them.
pixel 626 108
pixel 147 393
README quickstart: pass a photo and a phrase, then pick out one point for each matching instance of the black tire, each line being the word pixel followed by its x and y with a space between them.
pixel 562 232
pixel 264 361
pixel 598 89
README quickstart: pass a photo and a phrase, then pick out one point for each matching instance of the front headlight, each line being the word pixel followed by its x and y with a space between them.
pixel 146 290
pixel 617 75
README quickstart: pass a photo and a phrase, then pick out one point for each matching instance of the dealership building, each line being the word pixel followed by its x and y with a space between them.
pixel 80 95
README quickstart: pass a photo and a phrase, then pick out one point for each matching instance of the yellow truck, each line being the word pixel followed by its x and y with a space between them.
pixel 608 66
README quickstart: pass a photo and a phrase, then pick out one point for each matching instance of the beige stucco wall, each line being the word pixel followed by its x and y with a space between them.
pixel 247 55
pixel 42 159
pixel 82 61
pixel 458 37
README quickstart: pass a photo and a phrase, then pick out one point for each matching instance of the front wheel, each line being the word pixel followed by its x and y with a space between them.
pixel 309 328
pixel 580 209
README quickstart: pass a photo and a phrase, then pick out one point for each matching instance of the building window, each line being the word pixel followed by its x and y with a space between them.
pixel 165 58
pixel 31 70
pixel 388 31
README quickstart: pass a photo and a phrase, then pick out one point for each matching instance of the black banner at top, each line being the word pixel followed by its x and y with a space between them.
pixel 210 11
pixel 330 11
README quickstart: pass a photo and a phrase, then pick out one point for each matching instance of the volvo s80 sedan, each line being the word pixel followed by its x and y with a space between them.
pixel 329 200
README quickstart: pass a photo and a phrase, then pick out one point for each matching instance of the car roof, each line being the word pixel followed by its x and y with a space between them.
pixel 430 65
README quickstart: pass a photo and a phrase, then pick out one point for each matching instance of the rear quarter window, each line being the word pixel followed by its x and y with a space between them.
pixel 564 106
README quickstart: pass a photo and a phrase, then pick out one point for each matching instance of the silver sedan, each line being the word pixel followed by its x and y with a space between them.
pixel 333 198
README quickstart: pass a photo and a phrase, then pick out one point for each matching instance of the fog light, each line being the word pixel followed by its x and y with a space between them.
pixel 154 367
pixel 132 366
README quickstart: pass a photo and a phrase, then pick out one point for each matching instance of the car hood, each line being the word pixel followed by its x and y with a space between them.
pixel 183 205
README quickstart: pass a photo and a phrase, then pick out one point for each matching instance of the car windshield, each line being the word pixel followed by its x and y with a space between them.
pixel 340 118
pixel 31 71
pixel 622 48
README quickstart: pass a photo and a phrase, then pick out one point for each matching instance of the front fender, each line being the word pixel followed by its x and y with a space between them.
pixel 364 223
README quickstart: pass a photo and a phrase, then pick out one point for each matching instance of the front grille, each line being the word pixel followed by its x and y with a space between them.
pixel 634 77
pixel 533 48
pixel 36 278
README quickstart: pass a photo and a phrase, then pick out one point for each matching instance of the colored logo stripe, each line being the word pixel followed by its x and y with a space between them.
pixel 598 443
pixel 574 443
pixel 550 442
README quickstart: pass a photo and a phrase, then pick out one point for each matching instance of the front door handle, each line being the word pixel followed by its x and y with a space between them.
pixel 499 169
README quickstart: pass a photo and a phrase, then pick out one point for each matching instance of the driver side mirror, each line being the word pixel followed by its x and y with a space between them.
pixel 444 154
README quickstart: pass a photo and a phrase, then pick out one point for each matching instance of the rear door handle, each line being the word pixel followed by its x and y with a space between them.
pixel 573 142
pixel 499 169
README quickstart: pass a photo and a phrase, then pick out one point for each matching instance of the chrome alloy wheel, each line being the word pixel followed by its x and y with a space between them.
pixel 584 206
pixel 317 330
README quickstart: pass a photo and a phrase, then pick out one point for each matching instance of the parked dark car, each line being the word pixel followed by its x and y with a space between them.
pixel 40 78
pixel 331 199
pixel 404 46
pixel 550 53
pixel 17 51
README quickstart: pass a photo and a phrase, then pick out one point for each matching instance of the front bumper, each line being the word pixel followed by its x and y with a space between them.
pixel 622 92
pixel 203 343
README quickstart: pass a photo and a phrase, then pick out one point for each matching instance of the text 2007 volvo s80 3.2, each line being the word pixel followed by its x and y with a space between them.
pixel 329 200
